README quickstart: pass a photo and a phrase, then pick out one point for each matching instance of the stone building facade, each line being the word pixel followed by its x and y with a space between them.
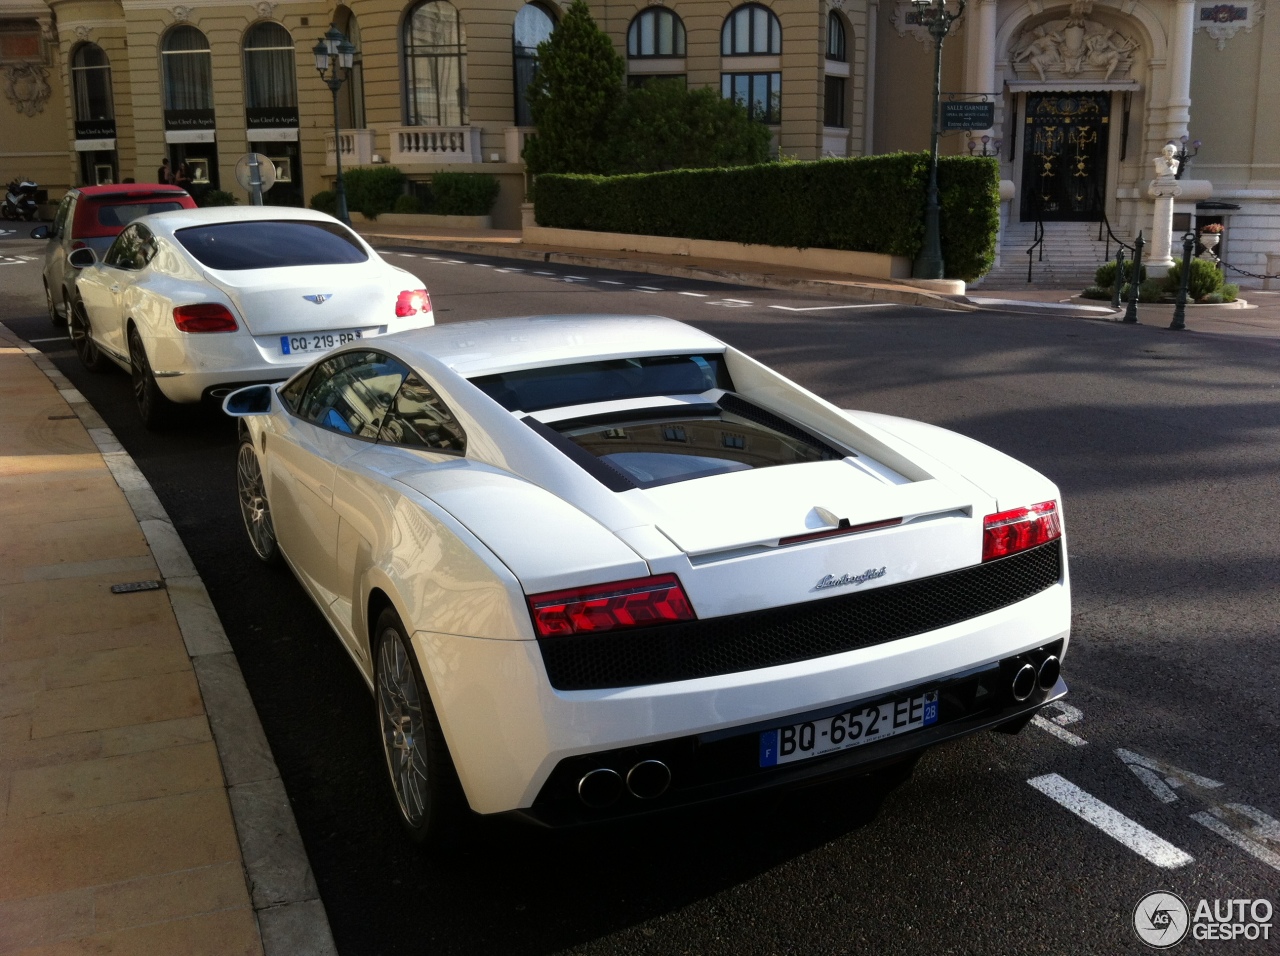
pixel 1085 93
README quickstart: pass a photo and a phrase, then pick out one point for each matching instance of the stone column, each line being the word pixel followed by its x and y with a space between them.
pixel 869 83
pixel 1178 113
pixel 1164 189
pixel 980 52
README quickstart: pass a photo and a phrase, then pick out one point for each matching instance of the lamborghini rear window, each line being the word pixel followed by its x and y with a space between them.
pixel 535 389
pixel 258 244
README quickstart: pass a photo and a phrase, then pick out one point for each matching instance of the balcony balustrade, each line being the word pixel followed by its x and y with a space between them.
pixel 357 147
pixel 435 144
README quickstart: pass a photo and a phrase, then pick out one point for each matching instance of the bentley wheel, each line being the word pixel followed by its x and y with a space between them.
pixel 82 340
pixel 254 507
pixel 154 408
pixel 425 784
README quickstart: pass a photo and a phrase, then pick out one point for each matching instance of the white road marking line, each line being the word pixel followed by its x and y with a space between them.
pixel 508 270
pixel 1162 791
pixel 648 288
pixel 482 265
pixel 56 338
pixel 432 258
pixel 611 282
pixel 827 308
pixel 1111 822
pixel 696 295
pixel 1256 850
pixel 1058 731
pixel 544 273
pixel 577 278
pixel 454 262
pixel 1068 715
pixel 407 255
pixel 1174 776
pixel 742 301
pixel 641 288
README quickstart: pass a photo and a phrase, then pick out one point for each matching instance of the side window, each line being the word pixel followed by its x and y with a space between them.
pixel 419 419
pixel 60 220
pixel 124 252
pixel 350 393
pixel 147 248
pixel 291 391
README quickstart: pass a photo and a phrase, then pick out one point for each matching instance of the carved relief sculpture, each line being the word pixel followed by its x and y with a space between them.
pixel 27 87
pixel 1076 47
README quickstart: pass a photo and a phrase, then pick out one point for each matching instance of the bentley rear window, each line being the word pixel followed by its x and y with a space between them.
pixel 258 244
pixel 535 389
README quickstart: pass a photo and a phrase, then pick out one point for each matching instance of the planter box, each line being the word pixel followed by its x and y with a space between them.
pixel 425 221
pixel 867 264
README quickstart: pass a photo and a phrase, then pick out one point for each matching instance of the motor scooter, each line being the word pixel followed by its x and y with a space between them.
pixel 20 200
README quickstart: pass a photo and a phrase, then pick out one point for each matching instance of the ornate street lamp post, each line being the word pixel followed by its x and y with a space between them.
pixel 937 18
pixel 1186 148
pixel 334 56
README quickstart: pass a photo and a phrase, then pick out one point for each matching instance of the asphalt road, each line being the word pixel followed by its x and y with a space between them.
pixel 1167 449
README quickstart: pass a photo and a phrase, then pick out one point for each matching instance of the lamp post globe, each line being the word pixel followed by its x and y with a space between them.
pixel 934 15
pixel 334 54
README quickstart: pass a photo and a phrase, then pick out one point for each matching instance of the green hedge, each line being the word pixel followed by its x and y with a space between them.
pixel 462 194
pixel 867 204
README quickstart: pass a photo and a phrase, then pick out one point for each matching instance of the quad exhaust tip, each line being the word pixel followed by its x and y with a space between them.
pixel 600 787
pixel 1050 670
pixel 1024 682
pixel 648 779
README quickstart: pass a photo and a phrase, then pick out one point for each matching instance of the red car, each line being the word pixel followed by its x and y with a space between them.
pixel 92 216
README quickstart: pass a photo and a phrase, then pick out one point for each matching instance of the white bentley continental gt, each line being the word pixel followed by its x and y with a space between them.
pixel 195 303
pixel 592 566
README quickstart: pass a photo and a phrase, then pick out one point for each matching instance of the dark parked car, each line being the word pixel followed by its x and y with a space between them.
pixel 91 217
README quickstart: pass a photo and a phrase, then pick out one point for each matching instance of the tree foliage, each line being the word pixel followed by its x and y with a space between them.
pixel 664 125
pixel 574 97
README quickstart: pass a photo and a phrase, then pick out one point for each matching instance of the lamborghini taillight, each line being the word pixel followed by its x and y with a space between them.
pixel 640 602
pixel 1008 532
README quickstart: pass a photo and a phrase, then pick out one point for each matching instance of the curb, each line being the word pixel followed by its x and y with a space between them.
pixel 854 290
pixel 286 901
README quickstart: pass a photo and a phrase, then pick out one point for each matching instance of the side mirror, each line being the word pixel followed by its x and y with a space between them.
pixel 81 258
pixel 250 400
pixel 40 232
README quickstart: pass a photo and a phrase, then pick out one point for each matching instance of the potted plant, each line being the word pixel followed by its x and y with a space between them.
pixel 1210 236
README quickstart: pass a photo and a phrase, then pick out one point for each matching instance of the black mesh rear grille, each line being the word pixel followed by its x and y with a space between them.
pixel 742 642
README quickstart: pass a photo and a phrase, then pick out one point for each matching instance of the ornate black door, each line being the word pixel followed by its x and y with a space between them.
pixel 1064 156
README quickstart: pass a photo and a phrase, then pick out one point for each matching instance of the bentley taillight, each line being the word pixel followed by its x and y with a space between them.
pixel 205 317
pixel 411 302
pixel 1008 532
pixel 640 602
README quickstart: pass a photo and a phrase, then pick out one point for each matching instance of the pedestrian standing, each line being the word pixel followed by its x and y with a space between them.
pixel 164 174
pixel 183 179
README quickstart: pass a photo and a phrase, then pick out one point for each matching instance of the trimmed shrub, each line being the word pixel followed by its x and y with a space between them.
pixel 865 204
pixel 573 96
pixel 1203 279
pixel 1230 292
pixel 1096 292
pixel 326 201
pixel 410 205
pixel 1151 291
pixel 1105 277
pixel 665 125
pixel 463 194
pixel 373 190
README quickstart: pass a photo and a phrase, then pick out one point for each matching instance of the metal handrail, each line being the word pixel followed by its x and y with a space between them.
pixel 1106 223
pixel 1038 244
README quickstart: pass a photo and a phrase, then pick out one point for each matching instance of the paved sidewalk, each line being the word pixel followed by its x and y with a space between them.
pixel 140 809
pixel 1262 319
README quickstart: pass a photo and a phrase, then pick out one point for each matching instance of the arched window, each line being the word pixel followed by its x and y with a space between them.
pixel 187 70
pixel 835 39
pixel 435 58
pixel 91 78
pixel 751 30
pixel 351 96
pixel 754 31
pixel 533 25
pixel 836 80
pixel 655 32
pixel 269 75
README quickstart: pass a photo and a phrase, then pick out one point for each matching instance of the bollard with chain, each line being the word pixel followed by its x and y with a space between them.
pixel 1131 313
pixel 1115 288
pixel 1179 322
